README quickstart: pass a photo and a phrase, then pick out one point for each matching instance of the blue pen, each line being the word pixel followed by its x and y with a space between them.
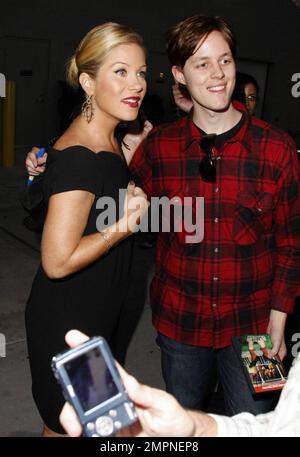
pixel 40 154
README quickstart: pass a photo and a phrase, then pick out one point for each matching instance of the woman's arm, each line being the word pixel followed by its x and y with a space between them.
pixel 64 248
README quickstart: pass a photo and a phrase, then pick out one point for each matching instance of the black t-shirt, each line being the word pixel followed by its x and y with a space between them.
pixel 225 136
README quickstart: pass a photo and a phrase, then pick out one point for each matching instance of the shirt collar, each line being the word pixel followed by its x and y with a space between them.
pixel 194 134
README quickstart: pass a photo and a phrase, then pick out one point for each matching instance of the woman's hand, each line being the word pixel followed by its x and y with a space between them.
pixel 135 207
pixel 33 165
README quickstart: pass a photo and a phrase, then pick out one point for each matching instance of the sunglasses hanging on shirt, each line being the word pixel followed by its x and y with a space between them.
pixel 207 166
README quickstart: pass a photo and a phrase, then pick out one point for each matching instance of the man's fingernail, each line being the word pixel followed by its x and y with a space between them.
pixel 132 183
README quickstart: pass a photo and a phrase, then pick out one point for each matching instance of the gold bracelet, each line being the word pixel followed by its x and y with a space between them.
pixel 106 237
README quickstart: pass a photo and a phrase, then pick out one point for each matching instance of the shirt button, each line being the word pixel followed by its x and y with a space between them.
pixel 216 189
pixel 216 250
pixel 214 305
pixel 216 220
pixel 215 278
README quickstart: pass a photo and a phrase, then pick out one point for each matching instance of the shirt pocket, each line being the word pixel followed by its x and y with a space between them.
pixel 253 216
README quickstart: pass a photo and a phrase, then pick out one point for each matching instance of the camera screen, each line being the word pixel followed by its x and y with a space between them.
pixel 91 379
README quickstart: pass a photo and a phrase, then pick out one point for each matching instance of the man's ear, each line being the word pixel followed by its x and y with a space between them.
pixel 86 83
pixel 178 74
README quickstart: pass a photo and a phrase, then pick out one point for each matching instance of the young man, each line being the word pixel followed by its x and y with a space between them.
pixel 243 276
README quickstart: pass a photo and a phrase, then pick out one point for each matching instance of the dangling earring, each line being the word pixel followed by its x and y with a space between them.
pixel 87 109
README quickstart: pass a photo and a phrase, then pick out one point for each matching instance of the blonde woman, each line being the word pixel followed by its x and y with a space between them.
pixel 83 276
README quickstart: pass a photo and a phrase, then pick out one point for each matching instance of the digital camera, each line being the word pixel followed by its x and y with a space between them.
pixel 92 385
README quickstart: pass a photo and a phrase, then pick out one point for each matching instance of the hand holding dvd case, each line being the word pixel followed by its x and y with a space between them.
pixel 263 373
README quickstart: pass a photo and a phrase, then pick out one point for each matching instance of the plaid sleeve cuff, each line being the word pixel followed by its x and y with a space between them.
pixel 285 305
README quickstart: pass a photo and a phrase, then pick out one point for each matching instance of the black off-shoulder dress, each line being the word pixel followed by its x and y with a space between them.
pixel 92 300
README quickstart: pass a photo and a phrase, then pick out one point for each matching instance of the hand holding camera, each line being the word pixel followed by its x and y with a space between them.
pixel 159 414
pixel 92 385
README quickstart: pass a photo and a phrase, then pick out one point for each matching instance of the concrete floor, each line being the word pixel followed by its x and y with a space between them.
pixel 19 258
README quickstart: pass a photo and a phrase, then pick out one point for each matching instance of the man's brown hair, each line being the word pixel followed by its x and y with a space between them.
pixel 183 38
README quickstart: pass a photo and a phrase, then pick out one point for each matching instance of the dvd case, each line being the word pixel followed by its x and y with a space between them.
pixel 263 373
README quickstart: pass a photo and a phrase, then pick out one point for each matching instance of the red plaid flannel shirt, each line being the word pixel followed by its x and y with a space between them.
pixel 249 260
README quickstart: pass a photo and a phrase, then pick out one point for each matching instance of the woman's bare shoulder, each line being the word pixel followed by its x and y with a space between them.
pixel 65 141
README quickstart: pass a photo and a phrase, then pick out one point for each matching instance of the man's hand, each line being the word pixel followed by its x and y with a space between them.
pixel 159 413
pixel 132 140
pixel 276 330
pixel 33 165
